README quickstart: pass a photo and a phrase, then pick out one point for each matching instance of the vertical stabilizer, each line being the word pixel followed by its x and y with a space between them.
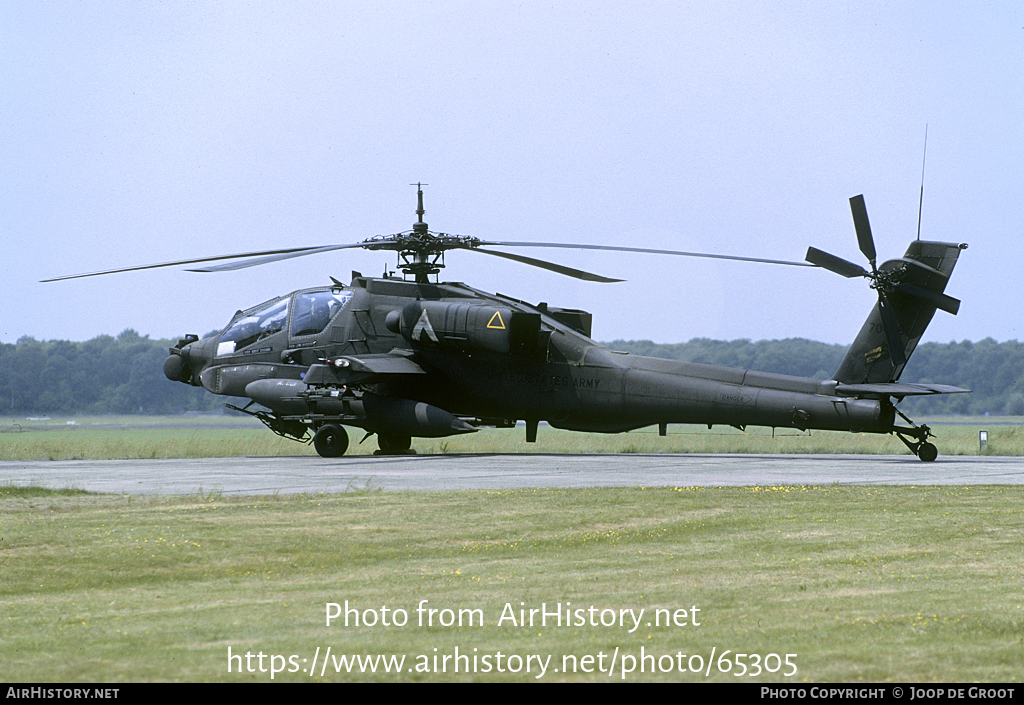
pixel 913 288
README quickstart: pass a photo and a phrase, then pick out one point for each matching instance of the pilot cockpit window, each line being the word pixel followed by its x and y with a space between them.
pixel 313 310
pixel 257 324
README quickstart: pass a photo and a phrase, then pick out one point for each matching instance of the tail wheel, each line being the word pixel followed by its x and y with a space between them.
pixel 330 441
pixel 393 443
pixel 916 438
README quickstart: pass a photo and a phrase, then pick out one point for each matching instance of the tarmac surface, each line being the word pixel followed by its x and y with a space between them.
pixel 304 474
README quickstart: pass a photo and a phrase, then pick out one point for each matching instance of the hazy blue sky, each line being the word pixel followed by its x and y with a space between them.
pixel 138 132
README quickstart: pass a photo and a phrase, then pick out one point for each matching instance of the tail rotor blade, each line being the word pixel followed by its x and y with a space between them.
pixel 834 264
pixel 943 302
pixel 863 227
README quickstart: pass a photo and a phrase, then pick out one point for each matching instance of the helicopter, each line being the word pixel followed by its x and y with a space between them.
pixel 409 356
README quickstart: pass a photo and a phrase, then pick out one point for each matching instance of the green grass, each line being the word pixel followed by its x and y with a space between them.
pixel 233 436
pixel 905 584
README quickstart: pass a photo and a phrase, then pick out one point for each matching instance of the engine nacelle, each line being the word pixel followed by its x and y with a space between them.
pixel 464 326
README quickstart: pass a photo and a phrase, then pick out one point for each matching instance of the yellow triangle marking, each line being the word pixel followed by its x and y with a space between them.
pixel 496 317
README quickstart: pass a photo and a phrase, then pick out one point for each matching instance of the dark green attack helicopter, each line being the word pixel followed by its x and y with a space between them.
pixel 404 357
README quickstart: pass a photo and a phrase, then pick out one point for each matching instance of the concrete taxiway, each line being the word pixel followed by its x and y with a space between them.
pixel 306 474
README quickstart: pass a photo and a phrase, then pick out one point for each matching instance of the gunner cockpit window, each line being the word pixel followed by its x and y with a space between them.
pixel 255 325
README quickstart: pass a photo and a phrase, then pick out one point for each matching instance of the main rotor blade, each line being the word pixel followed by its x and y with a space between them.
pixel 863 227
pixel 614 248
pixel 835 264
pixel 298 251
pixel 551 266
pixel 229 266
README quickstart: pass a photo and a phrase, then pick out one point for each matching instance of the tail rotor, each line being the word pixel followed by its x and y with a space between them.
pixel 890 281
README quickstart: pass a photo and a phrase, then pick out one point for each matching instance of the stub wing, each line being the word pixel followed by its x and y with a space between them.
pixel 361 369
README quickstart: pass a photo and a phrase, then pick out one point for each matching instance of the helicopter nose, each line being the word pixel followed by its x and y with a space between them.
pixel 188 358
pixel 200 353
pixel 175 368
pixel 196 353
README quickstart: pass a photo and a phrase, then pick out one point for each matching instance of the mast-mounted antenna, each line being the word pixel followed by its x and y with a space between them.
pixel 419 226
pixel 920 201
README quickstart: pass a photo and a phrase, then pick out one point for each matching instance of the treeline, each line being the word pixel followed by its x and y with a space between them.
pixel 124 374
pixel 105 375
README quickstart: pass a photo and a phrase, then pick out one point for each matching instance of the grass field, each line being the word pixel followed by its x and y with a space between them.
pixel 220 436
pixel 837 583
pixel 906 584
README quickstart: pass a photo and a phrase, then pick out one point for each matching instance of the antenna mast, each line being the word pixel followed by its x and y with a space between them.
pixel 920 201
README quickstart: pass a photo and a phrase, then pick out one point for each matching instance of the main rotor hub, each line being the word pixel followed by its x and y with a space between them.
pixel 421 252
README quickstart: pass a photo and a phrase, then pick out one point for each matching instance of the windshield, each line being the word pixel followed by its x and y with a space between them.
pixel 256 324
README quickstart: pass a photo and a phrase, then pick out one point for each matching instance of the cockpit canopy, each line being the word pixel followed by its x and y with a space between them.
pixel 304 313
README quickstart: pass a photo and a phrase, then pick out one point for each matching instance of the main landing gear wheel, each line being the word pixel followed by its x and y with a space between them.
pixel 393 443
pixel 330 441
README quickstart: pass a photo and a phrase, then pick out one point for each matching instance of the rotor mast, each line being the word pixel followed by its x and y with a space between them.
pixel 420 226
pixel 420 256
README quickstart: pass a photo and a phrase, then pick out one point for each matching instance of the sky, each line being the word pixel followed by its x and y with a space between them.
pixel 143 132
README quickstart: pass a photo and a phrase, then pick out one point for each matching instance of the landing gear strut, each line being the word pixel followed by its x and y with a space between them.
pixel 393 443
pixel 916 438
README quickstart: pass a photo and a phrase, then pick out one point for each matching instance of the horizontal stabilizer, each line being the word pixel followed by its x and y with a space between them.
pixel 897 389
